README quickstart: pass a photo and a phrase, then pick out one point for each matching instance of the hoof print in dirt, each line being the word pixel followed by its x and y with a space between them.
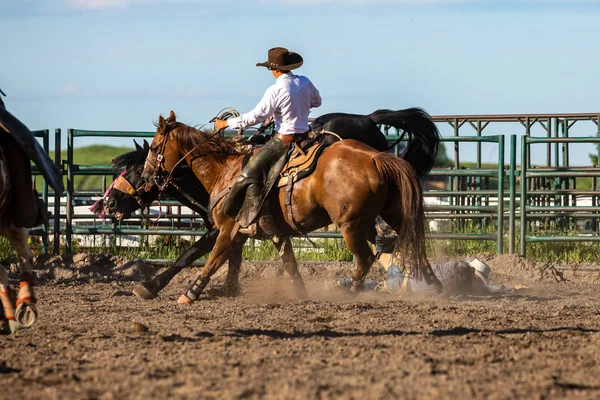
pixel 139 328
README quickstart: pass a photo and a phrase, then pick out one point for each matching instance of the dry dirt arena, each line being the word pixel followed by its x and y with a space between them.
pixel 94 340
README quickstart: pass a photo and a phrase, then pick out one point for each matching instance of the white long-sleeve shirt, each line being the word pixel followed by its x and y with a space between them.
pixel 289 101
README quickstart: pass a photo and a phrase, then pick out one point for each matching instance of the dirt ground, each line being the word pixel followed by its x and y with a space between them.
pixel 94 340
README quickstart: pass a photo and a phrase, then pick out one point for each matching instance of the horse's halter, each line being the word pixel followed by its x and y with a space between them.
pixel 124 186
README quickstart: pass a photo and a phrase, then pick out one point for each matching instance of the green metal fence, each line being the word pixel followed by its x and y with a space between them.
pixel 487 195
pixel 470 194
pixel 550 194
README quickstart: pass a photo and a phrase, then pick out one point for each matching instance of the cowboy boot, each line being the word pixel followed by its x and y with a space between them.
pixel 266 221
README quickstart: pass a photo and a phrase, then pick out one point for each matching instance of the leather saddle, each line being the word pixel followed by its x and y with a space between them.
pixel 301 163
pixel 297 164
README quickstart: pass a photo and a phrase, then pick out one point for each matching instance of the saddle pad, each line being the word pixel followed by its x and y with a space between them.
pixel 301 163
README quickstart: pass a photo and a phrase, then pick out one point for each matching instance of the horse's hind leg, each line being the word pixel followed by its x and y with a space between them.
pixel 7 303
pixel 286 252
pixel 356 239
pixel 26 312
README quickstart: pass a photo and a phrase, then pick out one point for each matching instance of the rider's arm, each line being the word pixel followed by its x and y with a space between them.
pixel 263 110
pixel 315 97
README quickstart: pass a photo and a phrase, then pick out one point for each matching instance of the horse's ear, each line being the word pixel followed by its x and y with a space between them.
pixel 146 145
pixel 161 124
pixel 172 116
pixel 137 146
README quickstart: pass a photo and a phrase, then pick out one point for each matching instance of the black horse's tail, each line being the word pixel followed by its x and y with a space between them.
pixel 422 135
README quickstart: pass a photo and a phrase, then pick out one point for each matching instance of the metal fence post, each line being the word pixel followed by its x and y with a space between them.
pixel 70 188
pixel 500 242
pixel 523 183
pixel 57 195
pixel 46 225
pixel 512 170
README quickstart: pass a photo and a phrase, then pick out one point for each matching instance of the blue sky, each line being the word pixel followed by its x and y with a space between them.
pixel 118 64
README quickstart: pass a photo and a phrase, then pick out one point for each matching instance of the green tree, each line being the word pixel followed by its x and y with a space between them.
pixel 441 159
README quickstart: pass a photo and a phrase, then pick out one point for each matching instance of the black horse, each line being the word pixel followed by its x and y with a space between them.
pixel 134 193
pixel 365 128
pixel 131 193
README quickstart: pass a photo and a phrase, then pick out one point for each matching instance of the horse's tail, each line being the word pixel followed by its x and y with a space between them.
pixel 422 135
pixel 403 209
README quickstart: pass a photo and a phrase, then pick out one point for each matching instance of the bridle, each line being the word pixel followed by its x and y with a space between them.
pixel 159 168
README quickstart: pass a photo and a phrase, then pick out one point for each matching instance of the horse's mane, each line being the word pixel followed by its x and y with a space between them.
pixel 130 159
pixel 206 143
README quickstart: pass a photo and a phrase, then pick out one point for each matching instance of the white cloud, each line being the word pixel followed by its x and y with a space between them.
pixel 106 4
pixel 69 89
pixel 101 4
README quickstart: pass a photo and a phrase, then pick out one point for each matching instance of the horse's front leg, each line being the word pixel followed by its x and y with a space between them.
pixel 149 289
pixel 26 312
pixel 218 256
pixel 286 252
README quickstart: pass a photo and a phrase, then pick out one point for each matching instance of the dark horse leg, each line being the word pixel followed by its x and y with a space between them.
pixel 7 322
pixel 284 247
pixel 232 282
pixel 149 289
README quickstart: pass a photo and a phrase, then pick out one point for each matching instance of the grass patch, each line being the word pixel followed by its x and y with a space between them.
pixel 100 155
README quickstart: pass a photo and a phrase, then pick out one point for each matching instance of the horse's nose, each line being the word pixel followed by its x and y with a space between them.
pixel 146 176
pixel 112 205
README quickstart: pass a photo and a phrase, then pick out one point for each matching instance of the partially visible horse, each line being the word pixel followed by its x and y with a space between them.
pixel 352 184
pixel 20 209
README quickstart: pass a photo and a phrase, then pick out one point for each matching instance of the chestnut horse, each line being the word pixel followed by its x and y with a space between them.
pixel 351 185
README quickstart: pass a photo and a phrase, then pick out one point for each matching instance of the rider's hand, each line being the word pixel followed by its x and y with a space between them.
pixel 220 124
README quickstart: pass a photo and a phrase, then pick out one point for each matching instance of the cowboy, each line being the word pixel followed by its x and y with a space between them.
pixel 458 277
pixel 288 101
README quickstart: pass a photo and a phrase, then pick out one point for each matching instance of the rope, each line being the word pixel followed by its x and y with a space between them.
pixel 226 113
pixel 160 192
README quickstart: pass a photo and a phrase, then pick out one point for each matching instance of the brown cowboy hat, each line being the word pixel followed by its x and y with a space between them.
pixel 282 59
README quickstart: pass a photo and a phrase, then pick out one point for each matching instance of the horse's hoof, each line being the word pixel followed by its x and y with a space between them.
pixel 300 291
pixel 26 315
pixel 143 292
pixel 183 299
pixel 231 290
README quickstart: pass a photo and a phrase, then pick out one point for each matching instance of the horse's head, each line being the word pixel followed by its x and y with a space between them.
pixel 129 191
pixel 164 152
pixel 176 144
